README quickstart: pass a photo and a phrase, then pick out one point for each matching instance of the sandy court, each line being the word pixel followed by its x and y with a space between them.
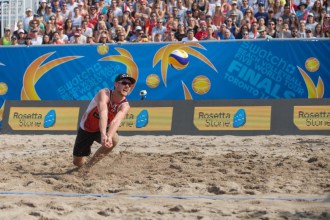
pixel 168 177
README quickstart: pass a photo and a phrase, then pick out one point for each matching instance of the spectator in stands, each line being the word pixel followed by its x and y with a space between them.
pixel 159 7
pixel 76 17
pixel 309 33
pixel 151 23
pixel 316 10
pixel 286 13
pixel 261 23
pixel 14 41
pixel 27 19
pixel 244 6
pixel 72 4
pixel 302 13
pixel 245 35
pixel 190 36
pixel 6 39
pixel 57 39
pixel 83 8
pixel 36 39
pixel 49 30
pixel 21 37
pixel 170 37
pixel 234 10
pixel 248 16
pixel 302 29
pixel 261 12
pixel 46 39
pixel 210 34
pixel 284 32
pixel 94 16
pixel 28 40
pixel 121 38
pixel 318 31
pixel 293 21
pixel 202 33
pixel 326 23
pixel 41 11
pixel 263 34
pixel 68 28
pixel 104 38
pixel 254 33
pixel 221 32
pixel 218 18
pixel 49 12
pixel 228 35
pixel 61 34
pixel 180 33
pixel 311 23
pixel 294 33
pixel 327 33
pixel 77 38
pixel 277 9
pixel 115 26
pixel 65 12
pixel 271 16
pixel 159 28
pixel 117 11
pixel 59 18
pixel 90 39
pixel 135 36
pixel 55 6
pixel 126 23
pixel 279 24
pixel 244 28
pixel 85 30
pixel 271 30
pixel 158 38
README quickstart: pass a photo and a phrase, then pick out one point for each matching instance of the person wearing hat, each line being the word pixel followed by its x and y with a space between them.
pixel 26 20
pixel 6 39
pixel 261 11
pixel 101 121
pixel 235 12
pixel 41 11
pixel 302 11
pixel 311 23
pixel 21 37
pixel 28 40
pixel 263 34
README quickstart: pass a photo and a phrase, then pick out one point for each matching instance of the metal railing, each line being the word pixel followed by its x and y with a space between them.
pixel 12 11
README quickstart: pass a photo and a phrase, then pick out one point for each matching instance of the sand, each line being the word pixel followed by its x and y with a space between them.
pixel 168 177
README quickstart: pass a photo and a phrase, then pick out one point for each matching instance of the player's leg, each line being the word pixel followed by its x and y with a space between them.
pixel 82 146
pixel 102 152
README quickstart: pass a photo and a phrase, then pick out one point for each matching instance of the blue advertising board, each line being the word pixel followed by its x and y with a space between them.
pixel 180 71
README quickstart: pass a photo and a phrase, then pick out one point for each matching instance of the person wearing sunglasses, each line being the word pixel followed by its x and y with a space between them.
pixel 101 121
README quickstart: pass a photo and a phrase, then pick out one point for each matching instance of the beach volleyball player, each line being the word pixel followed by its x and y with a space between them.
pixel 101 121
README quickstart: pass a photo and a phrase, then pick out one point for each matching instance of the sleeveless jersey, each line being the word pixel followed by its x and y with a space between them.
pixel 90 120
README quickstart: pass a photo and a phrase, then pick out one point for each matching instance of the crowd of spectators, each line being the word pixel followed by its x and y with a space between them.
pixel 120 21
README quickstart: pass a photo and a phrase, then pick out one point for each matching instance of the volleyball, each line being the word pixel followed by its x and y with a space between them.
pixel 178 59
pixel 201 85
pixel 152 81
pixel 312 64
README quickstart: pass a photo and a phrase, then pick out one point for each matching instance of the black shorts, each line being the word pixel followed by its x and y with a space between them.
pixel 84 142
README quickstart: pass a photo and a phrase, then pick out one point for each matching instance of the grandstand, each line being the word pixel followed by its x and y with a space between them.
pixel 11 11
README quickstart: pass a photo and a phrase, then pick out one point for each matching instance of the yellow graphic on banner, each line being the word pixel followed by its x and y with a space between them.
pixel 232 118
pixel 312 117
pixel 148 119
pixel 44 118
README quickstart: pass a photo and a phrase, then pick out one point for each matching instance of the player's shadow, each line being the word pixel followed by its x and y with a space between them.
pixel 50 174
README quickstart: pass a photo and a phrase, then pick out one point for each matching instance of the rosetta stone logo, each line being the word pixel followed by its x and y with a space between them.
pixel 239 118
pixel 142 119
pixel 50 119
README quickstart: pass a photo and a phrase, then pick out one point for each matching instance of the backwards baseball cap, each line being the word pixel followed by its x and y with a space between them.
pixel 125 76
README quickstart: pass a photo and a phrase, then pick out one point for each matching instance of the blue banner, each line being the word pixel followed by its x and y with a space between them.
pixel 180 71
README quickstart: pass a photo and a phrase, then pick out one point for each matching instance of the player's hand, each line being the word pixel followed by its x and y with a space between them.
pixel 106 141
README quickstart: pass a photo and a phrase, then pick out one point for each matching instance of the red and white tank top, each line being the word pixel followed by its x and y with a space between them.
pixel 90 120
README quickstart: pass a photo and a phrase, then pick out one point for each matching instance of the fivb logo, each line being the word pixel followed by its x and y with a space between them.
pixel 239 118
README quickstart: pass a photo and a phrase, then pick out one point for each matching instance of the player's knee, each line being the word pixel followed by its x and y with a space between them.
pixel 79 162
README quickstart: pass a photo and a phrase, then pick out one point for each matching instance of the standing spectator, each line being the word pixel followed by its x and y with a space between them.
pixel 117 12
pixel 72 5
pixel 181 10
pixel 68 28
pixel 151 23
pixel 271 16
pixel 65 12
pixel 190 36
pixel 27 19
pixel 277 8
pixel 76 17
pixel 286 13
pixel 203 6
pixel 93 16
pixel 49 12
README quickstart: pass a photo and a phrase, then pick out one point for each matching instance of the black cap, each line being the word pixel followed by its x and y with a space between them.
pixel 125 76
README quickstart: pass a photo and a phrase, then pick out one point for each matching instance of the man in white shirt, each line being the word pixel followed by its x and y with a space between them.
pixel 27 19
pixel 190 36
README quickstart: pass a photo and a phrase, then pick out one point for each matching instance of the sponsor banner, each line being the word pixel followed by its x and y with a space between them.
pixel 148 119
pixel 43 118
pixel 312 117
pixel 233 118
